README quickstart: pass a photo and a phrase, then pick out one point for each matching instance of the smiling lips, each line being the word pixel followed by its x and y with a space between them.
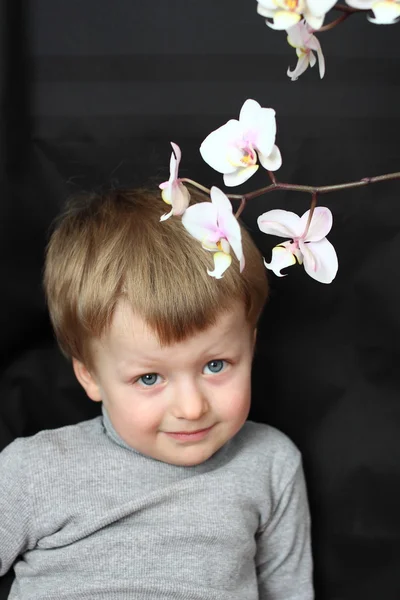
pixel 190 432
pixel 195 436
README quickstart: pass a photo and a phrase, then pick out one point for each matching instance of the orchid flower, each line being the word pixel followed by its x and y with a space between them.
pixel 386 12
pixel 215 225
pixel 300 37
pixel 173 190
pixel 286 13
pixel 310 248
pixel 233 148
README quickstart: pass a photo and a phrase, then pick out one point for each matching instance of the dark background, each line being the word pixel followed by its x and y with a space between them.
pixel 91 94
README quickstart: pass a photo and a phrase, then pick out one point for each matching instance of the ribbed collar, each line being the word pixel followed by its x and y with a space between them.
pixel 110 431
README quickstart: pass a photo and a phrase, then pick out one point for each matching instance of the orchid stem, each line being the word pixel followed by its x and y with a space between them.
pixel 297 188
pixel 241 207
pixel 319 189
pixel 347 12
pixel 195 184
pixel 333 24
pixel 310 216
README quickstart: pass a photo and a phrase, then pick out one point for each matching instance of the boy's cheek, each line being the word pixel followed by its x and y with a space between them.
pixel 237 403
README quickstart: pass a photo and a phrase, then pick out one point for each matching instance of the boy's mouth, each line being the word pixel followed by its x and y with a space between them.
pixel 189 436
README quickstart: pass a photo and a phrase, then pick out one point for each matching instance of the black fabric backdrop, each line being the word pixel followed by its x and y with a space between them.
pixel 91 94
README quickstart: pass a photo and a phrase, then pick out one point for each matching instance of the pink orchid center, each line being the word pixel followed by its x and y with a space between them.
pixel 305 48
pixel 292 5
pixel 242 154
pixel 223 245
pixel 293 247
pixel 302 52
pixel 215 235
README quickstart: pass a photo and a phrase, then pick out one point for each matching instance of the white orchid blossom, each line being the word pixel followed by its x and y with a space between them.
pixel 173 190
pixel 300 36
pixel 386 12
pixel 216 227
pixel 233 148
pixel 312 249
pixel 286 13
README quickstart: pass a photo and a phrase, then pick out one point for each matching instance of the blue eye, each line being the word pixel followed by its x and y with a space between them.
pixel 215 366
pixel 149 379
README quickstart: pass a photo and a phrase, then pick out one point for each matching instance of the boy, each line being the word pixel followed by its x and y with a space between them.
pixel 171 494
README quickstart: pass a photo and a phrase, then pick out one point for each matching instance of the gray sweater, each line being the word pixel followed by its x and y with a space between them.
pixel 84 516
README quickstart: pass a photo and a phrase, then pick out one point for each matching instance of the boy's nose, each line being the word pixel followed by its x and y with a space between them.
pixel 190 402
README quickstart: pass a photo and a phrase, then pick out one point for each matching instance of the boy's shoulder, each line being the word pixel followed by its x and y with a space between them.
pixel 266 446
pixel 55 442
pixel 268 437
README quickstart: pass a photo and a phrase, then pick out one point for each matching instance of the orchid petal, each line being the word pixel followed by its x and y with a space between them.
pixel 241 175
pixel 173 191
pixel 267 4
pixel 320 7
pixel 284 19
pixel 166 216
pixel 266 131
pixel 281 258
pixel 166 192
pixel 273 162
pixel 385 13
pixel 175 160
pixel 362 4
pixel 227 223
pixel 294 249
pixel 207 244
pixel 298 35
pixel 314 44
pixel 266 12
pixel 180 198
pixel 320 226
pixel 235 156
pixel 282 223
pixel 320 260
pixel 173 168
pixel 314 21
pixel 302 65
pixel 321 62
pixel 215 146
pixel 221 262
pixel 200 220
pixel 235 240
pixel 259 125
pixel 312 58
pixel 220 201
pixel 178 195
pixel 225 247
pixel 249 114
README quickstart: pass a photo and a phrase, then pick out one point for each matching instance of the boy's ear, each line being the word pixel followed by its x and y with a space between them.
pixel 254 340
pixel 87 381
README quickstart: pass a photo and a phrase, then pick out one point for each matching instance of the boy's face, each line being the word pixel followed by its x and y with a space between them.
pixel 148 390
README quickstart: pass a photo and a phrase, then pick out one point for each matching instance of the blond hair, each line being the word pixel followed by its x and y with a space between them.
pixel 109 246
